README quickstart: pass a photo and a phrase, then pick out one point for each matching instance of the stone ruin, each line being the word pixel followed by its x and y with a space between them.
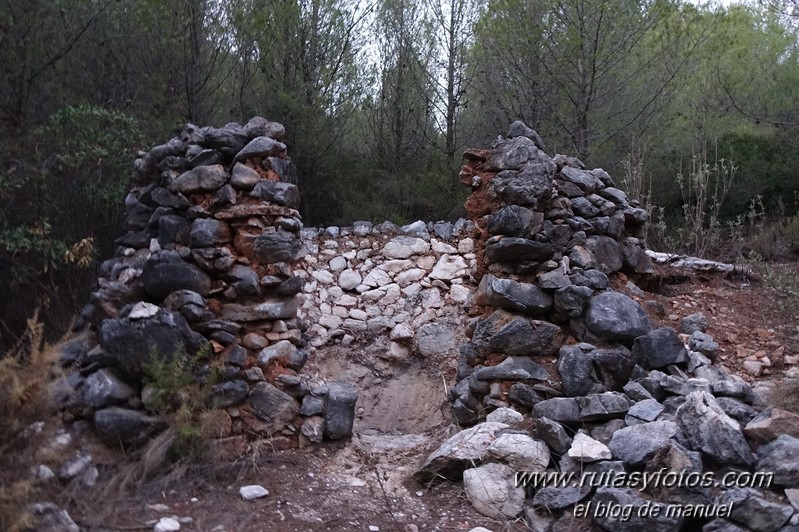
pixel 567 377
pixel 560 373
pixel 206 270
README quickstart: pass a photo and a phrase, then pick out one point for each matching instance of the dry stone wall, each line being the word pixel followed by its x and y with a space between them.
pixel 204 278
pixel 385 280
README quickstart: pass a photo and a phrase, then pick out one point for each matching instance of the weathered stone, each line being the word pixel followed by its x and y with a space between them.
pixel 515 220
pixel 284 353
pixel 270 309
pixel 244 177
pixel 602 406
pixel 103 388
pixel 449 267
pixel 280 246
pixel 709 430
pixel 520 452
pixel 524 395
pixel 313 428
pixel 460 452
pixel 659 348
pixel 261 148
pixel 349 279
pixel 492 490
pixel 607 253
pixel 692 323
pixel 530 186
pixel 402 247
pixel 628 516
pixel 162 278
pixel 513 368
pixel 339 411
pixel 505 415
pixel 646 411
pixel 117 426
pixel 781 457
pixel 278 193
pixel 586 449
pixel 207 232
pixel 227 394
pixel 571 300
pixel 251 492
pixel 200 179
pixel 771 423
pixel 561 409
pixel 514 153
pixel 559 498
pixel 553 434
pixel 434 339
pixel 736 409
pixel 637 444
pixel 585 180
pixel 751 509
pixel 515 249
pixel 502 332
pixel 703 343
pixel 613 316
pixel 272 406
pixel 50 518
pixel 512 295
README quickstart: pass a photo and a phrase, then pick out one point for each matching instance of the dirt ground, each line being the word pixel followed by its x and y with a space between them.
pixel 364 483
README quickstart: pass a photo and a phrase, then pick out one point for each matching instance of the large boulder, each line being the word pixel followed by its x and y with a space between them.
pixel 274 407
pixel 614 317
pixel 659 348
pixel 492 490
pixel 503 332
pixel 279 246
pixel 512 295
pixel 120 427
pixel 166 273
pixel 461 451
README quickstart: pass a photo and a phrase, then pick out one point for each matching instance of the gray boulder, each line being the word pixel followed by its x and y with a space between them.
pixel 709 430
pixel 514 249
pixel 104 388
pixel 530 186
pixel 277 192
pixel 200 179
pixel 512 295
pixel 260 148
pixel 781 457
pixel 637 444
pixel 503 332
pixel 280 246
pixel 561 409
pixel 514 220
pixel 514 153
pixel 520 452
pixel 206 232
pixel 117 426
pixel 274 407
pixel 492 490
pixel 608 256
pixel 571 300
pixel 603 406
pixel 553 434
pixel 659 348
pixel 461 451
pixel 162 277
pixel 339 410
pixel 614 317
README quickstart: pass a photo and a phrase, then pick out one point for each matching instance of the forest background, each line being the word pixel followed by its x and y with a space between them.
pixel 693 108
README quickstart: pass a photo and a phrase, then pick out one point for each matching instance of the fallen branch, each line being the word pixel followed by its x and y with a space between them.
pixel 701 265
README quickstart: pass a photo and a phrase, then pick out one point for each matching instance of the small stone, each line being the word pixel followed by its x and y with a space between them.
pixel 586 449
pixel 167 524
pixel 253 491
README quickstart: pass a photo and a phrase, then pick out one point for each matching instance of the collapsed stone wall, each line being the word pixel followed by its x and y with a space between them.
pixel 586 416
pixel 551 232
pixel 206 271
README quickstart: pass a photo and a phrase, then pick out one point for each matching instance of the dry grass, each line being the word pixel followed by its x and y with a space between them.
pixel 25 372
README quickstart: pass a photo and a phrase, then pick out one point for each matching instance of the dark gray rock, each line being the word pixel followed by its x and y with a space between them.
pixel 582 207
pixel 278 193
pixel 227 394
pixel 520 129
pixel 637 444
pixel 524 395
pixel 585 180
pixel 709 430
pixel 280 246
pixel 607 253
pixel 514 153
pixel 312 406
pixel 614 317
pixel 530 186
pixel 120 427
pixel 559 498
pixel 162 278
pixel 515 220
pixel 636 260
pixel 502 332
pixel 512 295
pixel 173 229
pixel 289 287
pixel 553 434
pixel 781 457
pixel 166 198
pixel 627 519
pixel 200 179
pixel 513 368
pixel 722 525
pixel 703 343
pixel 272 406
pixel 104 388
pixel 130 345
pixel 751 509
pixel 694 322
pixel 206 158
pixel 646 410
pixel 244 177
pixel 206 232
pixel 636 391
pixel 560 409
pixel 260 148
pixel 244 279
pixel 577 373
pixel 603 406
pixel 268 309
pixel 736 409
pixel 571 300
pixel 515 249
pixel 339 411
pixel 285 353
pixel 659 348
pixel 435 339
pixel 554 280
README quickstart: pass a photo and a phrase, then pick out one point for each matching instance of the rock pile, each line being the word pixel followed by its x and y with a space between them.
pixel 638 429
pixel 203 283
